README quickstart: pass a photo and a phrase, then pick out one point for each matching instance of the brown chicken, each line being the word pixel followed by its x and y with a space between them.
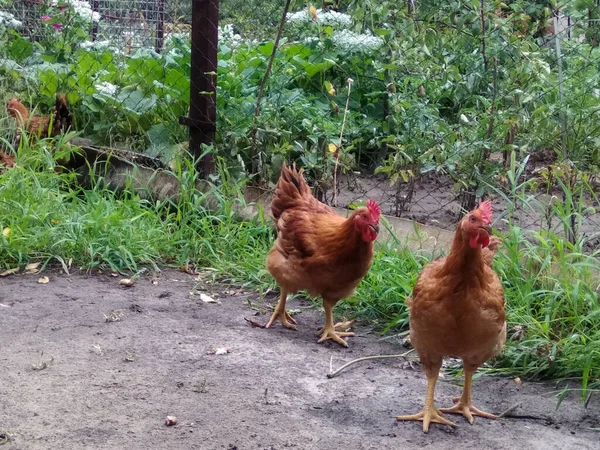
pixel 318 250
pixel 457 309
pixel 6 159
pixel 37 126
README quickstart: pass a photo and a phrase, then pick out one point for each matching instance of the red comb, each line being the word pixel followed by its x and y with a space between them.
pixel 485 208
pixel 374 209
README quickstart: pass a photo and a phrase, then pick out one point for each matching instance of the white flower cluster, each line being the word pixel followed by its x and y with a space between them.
pixel 350 41
pixel 82 8
pixel 7 20
pixel 228 36
pixel 95 45
pixel 107 88
pixel 324 17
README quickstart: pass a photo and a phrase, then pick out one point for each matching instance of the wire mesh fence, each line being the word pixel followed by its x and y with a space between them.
pixel 415 105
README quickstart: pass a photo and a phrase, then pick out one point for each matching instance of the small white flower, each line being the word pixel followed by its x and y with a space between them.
pixel 228 36
pixel 325 17
pixel 7 20
pixel 81 8
pixel 96 45
pixel 107 88
pixel 350 41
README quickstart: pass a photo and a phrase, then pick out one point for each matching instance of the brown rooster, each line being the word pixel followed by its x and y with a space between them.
pixel 37 126
pixel 318 250
pixel 457 309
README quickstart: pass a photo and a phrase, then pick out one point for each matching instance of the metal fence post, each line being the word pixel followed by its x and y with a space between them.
pixel 203 82
pixel 95 8
pixel 160 26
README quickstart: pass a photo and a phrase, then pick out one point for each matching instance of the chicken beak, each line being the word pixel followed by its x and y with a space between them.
pixel 375 227
pixel 487 229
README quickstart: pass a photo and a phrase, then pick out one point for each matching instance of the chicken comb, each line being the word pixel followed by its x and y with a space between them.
pixel 485 209
pixel 374 209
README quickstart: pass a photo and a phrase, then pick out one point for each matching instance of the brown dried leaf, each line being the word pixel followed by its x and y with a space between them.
pixel 127 282
pixel 32 267
pixel 9 272
pixel 207 299
pixel 254 323
pixel 43 280
pixel 189 270
pixel 345 325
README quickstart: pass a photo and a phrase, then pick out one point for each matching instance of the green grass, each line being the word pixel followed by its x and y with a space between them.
pixel 551 284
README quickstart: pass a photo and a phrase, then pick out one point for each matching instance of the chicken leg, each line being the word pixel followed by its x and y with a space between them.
pixel 429 413
pixel 281 314
pixel 464 404
pixel 329 331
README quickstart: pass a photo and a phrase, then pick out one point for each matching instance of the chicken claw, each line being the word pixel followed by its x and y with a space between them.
pixel 328 333
pixel 428 415
pixel 467 410
pixel 464 404
pixel 284 317
pixel 340 326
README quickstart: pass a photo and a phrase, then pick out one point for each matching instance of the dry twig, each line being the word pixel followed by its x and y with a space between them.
pixel 365 358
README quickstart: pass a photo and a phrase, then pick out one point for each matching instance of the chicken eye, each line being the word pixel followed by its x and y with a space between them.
pixel 472 219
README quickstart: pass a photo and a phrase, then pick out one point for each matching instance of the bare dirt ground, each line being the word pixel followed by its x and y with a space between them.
pixel 70 379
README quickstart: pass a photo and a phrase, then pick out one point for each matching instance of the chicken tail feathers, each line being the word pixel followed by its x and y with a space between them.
pixel 290 191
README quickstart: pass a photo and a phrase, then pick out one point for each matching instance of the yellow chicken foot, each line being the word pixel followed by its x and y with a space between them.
pixel 340 326
pixel 336 336
pixel 329 331
pixel 429 413
pixel 281 314
pixel 464 404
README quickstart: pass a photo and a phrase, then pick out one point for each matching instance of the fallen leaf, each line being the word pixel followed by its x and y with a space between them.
pixel 127 282
pixel 218 351
pixel 313 12
pixel 6 231
pixel 9 272
pixel 43 280
pixel 254 323
pixel 188 269
pixel 345 325
pixel 170 421
pixel 518 382
pixel 32 267
pixel 332 148
pixel 206 299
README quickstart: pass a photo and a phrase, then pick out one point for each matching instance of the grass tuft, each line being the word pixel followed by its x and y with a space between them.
pixel 551 283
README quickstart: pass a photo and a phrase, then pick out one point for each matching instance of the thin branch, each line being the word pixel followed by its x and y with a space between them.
pixel 263 83
pixel 490 129
pixel 482 13
pixel 339 147
pixel 365 358
pixel 509 410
